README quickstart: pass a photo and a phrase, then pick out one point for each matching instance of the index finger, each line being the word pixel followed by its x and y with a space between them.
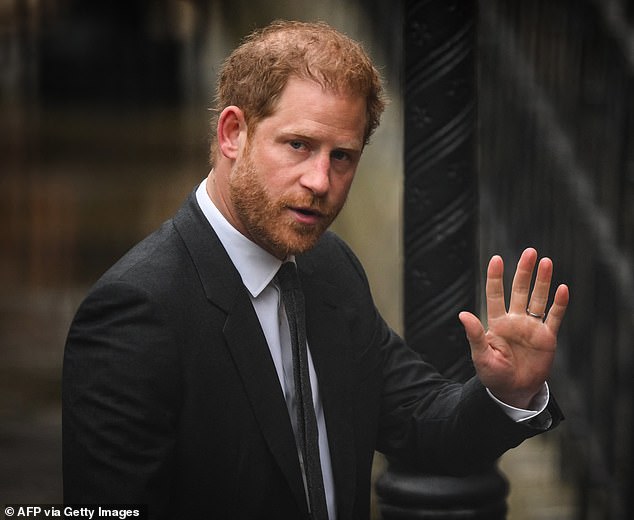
pixel 496 306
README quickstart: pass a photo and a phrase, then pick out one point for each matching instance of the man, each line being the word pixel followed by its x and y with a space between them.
pixel 178 391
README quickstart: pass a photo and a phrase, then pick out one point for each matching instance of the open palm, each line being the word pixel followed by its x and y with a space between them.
pixel 514 356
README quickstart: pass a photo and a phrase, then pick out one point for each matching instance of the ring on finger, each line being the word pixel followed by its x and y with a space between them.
pixel 539 316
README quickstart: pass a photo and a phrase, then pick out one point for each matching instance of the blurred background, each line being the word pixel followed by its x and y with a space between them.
pixel 104 131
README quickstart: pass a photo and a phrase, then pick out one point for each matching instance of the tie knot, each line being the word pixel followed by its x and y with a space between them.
pixel 287 277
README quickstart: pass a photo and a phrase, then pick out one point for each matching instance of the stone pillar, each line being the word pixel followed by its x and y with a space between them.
pixel 440 238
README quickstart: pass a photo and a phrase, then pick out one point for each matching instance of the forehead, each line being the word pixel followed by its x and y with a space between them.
pixel 306 106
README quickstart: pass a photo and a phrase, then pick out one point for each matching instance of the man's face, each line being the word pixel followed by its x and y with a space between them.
pixel 294 173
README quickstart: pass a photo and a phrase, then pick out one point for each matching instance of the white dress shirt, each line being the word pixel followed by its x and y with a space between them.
pixel 257 268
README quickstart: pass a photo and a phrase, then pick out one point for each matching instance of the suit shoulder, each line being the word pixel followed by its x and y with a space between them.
pixel 154 247
pixel 158 260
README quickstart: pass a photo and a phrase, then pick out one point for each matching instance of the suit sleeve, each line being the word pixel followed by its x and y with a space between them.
pixel 427 420
pixel 119 396
pixel 444 426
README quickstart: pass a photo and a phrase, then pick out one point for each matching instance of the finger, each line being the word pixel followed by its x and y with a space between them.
pixel 522 281
pixel 496 306
pixel 558 308
pixel 539 296
pixel 475 332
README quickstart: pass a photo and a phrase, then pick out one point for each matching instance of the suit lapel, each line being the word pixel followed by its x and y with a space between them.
pixel 252 358
pixel 245 341
pixel 329 347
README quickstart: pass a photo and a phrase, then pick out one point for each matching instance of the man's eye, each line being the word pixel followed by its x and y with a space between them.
pixel 339 155
pixel 297 145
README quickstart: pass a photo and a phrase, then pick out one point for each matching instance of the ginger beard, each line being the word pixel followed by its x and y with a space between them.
pixel 268 221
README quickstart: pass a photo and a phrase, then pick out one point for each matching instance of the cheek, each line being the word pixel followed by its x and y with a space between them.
pixel 341 186
pixel 271 171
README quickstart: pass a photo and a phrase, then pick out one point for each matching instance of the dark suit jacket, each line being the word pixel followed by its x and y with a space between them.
pixel 170 396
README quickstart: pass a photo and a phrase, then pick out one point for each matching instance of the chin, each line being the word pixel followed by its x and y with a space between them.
pixel 297 245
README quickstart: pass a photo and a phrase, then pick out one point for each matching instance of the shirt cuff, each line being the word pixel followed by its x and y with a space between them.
pixel 540 402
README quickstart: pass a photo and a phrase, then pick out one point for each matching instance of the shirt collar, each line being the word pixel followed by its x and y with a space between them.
pixel 256 266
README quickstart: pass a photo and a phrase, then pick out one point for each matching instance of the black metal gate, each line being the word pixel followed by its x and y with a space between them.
pixel 556 95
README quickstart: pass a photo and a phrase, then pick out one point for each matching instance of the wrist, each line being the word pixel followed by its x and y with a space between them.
pixel 520 400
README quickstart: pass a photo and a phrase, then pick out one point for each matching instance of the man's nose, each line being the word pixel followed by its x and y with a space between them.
pixel 317 177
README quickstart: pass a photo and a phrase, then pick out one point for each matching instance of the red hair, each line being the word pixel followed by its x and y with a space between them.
pixel 255 73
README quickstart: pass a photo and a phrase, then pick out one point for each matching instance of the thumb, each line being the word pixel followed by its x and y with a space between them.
pixel 474 330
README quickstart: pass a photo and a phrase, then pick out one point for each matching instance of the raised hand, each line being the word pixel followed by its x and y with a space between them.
pixel 514 356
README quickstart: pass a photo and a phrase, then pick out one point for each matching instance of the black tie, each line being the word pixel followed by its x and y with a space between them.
pixel 293 299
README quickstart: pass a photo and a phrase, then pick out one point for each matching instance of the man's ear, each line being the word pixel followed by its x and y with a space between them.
pixel 231 132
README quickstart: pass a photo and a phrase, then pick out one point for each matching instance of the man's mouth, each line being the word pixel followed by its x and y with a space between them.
pixel 306 215
pixel 308 211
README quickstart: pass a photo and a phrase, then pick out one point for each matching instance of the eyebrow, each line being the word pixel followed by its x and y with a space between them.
pixel 353 147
